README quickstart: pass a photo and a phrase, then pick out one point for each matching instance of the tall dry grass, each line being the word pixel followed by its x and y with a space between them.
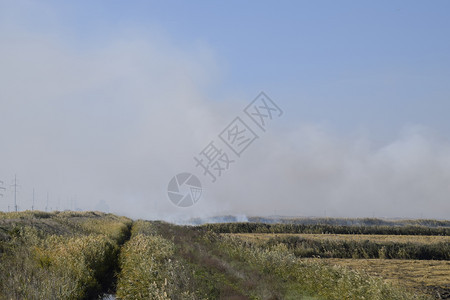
pixel 73 263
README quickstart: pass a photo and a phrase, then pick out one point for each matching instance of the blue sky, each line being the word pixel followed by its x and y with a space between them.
pixel 376 65
pixel 364 86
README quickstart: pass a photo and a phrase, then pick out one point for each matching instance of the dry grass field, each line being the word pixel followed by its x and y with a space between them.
pixel 416 274
pixel 420 239
pixel 430 276
pixel 84 255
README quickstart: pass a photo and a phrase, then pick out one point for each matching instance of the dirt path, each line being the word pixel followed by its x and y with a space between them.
pixel 230 279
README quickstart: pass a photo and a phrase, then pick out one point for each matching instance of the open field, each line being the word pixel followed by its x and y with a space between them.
pixel 432 276
pixel 225 267
pixel 416 274
pixel 82 255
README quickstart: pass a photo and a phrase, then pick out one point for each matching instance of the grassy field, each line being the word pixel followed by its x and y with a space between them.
pixel 423 239
pixel 63 255
pixel 428 276
pixel 81 255
pixel 431 276
pixel 356 246
pixel 417 274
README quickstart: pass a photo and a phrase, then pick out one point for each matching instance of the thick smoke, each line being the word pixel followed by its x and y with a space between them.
pixel 108 126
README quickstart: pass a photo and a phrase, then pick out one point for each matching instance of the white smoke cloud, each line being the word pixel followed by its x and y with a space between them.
pixel 112 123
pixel 309 172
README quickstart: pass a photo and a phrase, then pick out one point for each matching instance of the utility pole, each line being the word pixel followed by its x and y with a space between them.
pixel 46 206
pixel 74 203
pixel 15 192
pixel 32 205
pixel 2 189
